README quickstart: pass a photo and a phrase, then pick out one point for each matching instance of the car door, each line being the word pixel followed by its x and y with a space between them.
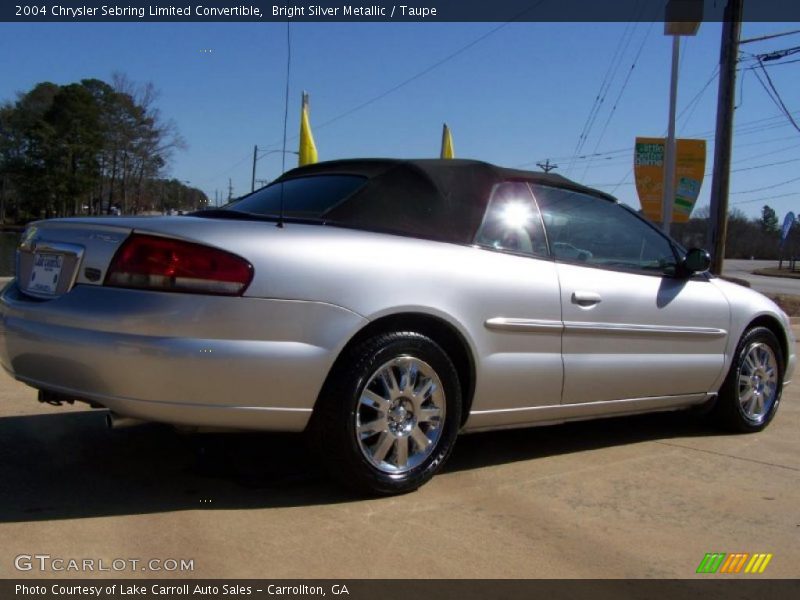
pixel 633 328
pixel 519 365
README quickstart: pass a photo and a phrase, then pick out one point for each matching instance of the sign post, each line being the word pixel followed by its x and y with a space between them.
pixel 682 17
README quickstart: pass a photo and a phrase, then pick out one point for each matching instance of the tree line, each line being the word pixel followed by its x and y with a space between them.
pixel 88 148
pixel 747 237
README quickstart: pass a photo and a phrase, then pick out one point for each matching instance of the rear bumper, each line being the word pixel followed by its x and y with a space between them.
pixel 177 358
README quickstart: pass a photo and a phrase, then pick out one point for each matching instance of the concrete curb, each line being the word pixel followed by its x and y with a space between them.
pixel 758 273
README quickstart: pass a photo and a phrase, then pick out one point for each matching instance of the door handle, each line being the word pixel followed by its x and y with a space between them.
pixel 586 298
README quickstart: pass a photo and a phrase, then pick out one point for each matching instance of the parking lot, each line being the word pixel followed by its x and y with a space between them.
pixel 635 497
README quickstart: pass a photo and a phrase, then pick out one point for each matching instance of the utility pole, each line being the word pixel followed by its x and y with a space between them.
pixel 230 189
pixel 255 158
pixel 720 182
pixel 546 166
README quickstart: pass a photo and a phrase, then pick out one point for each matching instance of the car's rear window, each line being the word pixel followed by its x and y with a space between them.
pixel 303 198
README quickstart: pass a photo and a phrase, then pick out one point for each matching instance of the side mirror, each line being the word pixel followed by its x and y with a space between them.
pixel 696 260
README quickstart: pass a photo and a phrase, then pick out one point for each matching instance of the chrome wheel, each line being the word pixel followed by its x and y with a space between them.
pixel 400 415
pixel 387 418
pixel 758 382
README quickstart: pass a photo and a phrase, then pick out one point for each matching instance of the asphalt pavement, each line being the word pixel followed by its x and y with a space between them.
pixel 743 269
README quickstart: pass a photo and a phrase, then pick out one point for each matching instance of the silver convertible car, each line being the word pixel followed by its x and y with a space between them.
pixel 384 306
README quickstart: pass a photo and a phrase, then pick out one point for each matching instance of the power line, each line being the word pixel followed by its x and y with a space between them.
pixel 229 169
pixel 778 99
pixel 750 128
pixel 602 185
pixel 421 73
pixel 428 69
pixel 769 87
pixel 769 141
pixel 769 37
pixel 754 167
pixel 621 157
pixel 777 64
pixel 745 128
pixel 768 91
pixel 768 187
pixel 405 82
pixel 605 85
pixel 601 161
pixel 755 126
pixel 695 101
pixel 767 198
pixel 402 84
pixel 777 54
pixel 764 166
pixel 619 95
pixel 770 153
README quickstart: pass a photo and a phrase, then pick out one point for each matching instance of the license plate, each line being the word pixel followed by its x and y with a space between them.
pixel 45 273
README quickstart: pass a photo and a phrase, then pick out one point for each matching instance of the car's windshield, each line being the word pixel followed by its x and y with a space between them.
pixel 303 198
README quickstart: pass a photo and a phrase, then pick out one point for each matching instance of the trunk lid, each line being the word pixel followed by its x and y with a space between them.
pixel 57 254
pixel 53 256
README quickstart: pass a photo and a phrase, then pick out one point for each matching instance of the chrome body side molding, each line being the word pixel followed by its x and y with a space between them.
pixel 628 329
pixel 559 413
pixel 523 325
pixel 538 325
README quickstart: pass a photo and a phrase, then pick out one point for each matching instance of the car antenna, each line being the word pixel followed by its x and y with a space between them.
pixel 285 116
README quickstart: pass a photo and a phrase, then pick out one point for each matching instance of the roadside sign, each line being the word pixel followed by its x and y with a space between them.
pixel 648 169
pixel 788 221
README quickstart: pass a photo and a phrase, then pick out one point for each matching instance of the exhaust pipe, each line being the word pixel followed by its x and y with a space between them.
pixel 116 421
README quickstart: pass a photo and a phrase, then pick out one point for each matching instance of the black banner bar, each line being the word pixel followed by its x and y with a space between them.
pixel 729 588
pixel 378 10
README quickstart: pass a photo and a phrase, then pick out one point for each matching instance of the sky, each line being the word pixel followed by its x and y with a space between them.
pixel 513 94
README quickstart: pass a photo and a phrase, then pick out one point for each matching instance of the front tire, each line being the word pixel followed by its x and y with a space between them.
pixel 387 419
pixel 750 395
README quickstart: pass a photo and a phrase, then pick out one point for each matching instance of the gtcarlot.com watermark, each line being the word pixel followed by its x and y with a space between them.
pixel 45 563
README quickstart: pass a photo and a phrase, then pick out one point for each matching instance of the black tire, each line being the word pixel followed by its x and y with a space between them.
pixel 345 453
pixel 729 412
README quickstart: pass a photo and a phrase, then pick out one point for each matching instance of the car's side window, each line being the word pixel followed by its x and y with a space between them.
pixel 512 221
pixel 589 229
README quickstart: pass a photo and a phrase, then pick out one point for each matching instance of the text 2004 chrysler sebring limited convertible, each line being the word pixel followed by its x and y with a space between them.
pixel 394 304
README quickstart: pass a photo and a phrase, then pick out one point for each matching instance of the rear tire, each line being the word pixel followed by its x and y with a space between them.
pixel 751 394
pixel 387 418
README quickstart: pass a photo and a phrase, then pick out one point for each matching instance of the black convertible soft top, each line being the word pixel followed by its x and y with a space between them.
pixel 430 198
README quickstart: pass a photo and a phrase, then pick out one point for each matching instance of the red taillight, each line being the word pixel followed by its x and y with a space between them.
pixel 156 263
